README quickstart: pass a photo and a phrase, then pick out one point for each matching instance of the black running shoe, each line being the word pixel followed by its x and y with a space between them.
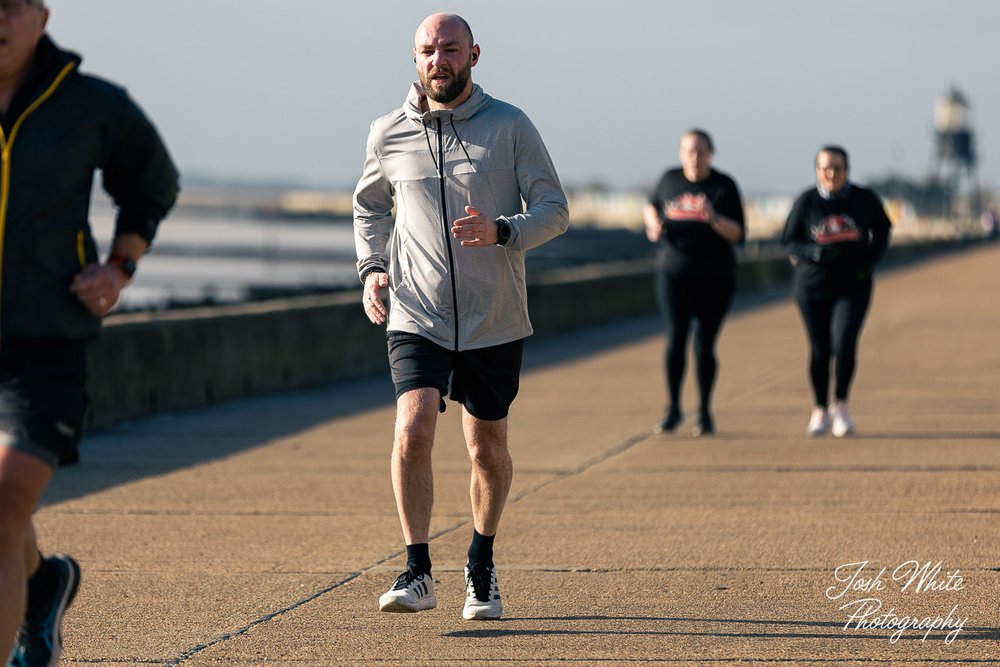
pixel 39 641
pixel 670 422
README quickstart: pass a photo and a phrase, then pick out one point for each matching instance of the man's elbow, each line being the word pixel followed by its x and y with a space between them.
pixel 562 217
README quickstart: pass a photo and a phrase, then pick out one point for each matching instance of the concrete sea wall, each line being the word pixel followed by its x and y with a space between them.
pixel 146 363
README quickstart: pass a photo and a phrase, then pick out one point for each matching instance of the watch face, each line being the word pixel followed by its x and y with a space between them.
pixel 126 263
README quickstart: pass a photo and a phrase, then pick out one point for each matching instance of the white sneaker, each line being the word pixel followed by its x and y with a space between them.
pixel 842 422
pixel 482 600
pixel 819 422
pixel 410 593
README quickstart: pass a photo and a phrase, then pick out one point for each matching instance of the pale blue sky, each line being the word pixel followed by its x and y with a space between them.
pixel 286 89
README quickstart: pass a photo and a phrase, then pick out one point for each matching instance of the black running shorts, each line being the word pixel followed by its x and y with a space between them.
pixel 485 380
pixel 43 397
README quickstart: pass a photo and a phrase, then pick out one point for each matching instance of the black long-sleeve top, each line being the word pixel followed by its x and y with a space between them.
pixel 691 245
pixel 836 240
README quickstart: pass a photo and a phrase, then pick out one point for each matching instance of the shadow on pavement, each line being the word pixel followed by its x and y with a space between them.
pixel 923 435
pixel 738 629
pixel 175 440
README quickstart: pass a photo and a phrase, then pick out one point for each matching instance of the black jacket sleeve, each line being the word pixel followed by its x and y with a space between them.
pixel 138 172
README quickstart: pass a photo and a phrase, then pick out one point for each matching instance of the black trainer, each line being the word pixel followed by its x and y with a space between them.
pixel 670 421
pixel 39 641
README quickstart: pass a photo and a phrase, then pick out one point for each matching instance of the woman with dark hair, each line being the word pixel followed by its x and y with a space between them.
pixel 835 234
pixel 696 215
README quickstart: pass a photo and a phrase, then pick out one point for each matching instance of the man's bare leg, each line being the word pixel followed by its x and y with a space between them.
pixel 22 481
pixel 413 485
pixel 412 473
pixel 492 473
pixel 492 470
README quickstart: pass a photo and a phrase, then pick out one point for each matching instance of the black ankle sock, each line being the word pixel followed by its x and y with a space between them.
pixel 418 558
pixel 481 549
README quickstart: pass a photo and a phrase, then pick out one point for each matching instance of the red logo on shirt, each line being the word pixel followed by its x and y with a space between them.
pixel 837 228
pixel 687 206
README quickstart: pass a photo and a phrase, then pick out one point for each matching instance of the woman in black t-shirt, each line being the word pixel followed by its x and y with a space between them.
pixel 835 234
pixel 696 215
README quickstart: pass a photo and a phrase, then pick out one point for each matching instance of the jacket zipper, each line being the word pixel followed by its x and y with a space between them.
pixel 5 147
pixel 447 230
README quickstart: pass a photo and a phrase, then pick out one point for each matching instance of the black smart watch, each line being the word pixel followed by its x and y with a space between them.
pixel 126 263
pixel 503 232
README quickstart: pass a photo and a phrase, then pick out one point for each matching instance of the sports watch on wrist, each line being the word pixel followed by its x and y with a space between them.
pixel 503 232
pixel 126 263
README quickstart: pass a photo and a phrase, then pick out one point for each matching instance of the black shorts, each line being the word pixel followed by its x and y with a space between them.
pixel 43 397
pixel 485 381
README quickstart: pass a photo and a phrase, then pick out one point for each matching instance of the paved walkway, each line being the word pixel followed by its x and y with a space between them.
pixel 262 532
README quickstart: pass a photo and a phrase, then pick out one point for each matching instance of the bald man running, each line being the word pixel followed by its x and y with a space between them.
pixel 456 164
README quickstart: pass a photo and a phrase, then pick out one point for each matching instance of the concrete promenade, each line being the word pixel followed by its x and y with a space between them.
pixel 262 531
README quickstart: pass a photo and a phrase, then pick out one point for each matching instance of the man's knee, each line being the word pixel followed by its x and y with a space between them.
pixel 414 443
pixel 488 445
pixel 489 458
pixel 416 414
pixel 414 435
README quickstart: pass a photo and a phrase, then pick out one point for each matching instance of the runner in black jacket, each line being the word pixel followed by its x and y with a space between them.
pixel 835 234
pixel 57 126
pixel 697 215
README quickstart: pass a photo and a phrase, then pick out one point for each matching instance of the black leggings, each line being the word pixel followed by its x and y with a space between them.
pixel 833 325
pixel 705 301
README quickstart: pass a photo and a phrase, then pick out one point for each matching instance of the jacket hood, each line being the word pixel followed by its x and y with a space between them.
pixel 415 105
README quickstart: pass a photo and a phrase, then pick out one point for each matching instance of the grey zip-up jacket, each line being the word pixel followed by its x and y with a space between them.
pixel 432 164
